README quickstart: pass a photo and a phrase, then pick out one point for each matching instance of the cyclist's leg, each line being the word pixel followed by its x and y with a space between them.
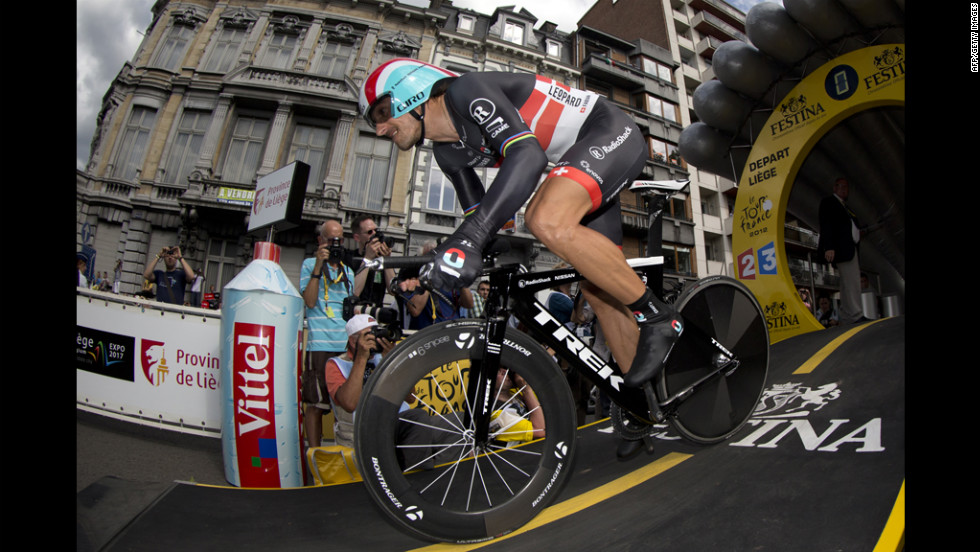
pixel 554 217
pixel 585 183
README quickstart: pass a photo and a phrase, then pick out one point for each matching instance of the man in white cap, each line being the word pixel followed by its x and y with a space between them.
pixel 345 374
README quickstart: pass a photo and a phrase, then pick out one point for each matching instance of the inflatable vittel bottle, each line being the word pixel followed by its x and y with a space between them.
pixel 261 325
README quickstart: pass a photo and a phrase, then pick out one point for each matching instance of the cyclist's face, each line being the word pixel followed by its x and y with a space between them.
pixel 381 111
pixel 404 131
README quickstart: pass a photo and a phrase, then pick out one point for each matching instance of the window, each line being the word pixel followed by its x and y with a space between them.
pixel 658 150
pixel 333 60
pixel 513 32
pixel 222 256
pixel 440 194
pixel 661 71
pixel 372 161
pixel 224 53
pixel 186 146
pixel 677 259
pixel 135 138
pixel 279 50
pixel 171 53
pixel 310 145
pixel 466 24
pixel 245 149
pixel 553 48
pixel 661 108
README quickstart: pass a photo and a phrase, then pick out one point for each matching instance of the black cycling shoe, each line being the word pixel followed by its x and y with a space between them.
pixel 657 339
pixel 628 448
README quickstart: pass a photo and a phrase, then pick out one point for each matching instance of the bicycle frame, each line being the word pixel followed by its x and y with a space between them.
pixel 513 292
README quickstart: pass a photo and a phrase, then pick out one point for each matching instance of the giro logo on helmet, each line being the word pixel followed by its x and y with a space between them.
pixel 408 82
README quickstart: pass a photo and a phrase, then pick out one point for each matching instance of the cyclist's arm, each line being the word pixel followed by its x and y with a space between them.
pixel 523 157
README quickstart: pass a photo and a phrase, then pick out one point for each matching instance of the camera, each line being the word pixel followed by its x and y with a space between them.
pixel 389 326
pixel 336 248
pixel 379 235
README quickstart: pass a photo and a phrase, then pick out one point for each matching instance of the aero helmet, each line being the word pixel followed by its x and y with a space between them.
pixel 408 82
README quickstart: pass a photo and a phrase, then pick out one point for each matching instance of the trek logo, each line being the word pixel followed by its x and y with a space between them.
pixel 566 337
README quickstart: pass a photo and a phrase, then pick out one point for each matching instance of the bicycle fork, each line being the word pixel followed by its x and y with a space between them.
pixel 482 380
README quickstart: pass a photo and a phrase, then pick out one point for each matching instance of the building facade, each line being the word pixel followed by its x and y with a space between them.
pixel 221 93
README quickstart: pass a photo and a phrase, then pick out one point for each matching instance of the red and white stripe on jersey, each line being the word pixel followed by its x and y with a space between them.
pixel 555 112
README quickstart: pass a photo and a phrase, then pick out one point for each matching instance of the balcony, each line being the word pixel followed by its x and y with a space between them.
pixel 707 47
pixel 613 72
pixel 721 11
pixel 711 25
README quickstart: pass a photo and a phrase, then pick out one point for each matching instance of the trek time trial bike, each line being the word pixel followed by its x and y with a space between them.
pixel 467 478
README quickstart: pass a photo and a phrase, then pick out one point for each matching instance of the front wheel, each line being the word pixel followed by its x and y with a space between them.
pixel 422 465
pixel 722 319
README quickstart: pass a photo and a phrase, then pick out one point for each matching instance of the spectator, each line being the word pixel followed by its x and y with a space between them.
pixel 171 282
pixel 197 290
pixel 428 308
pixel 839 239
pixel 370 244
pixel 346 373
pixel 116 276
pixel 826 314
pixel 479 301
pixel 325 282
pixel 81 266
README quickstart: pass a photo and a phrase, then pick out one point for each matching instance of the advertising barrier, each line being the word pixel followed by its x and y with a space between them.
pixel 148 362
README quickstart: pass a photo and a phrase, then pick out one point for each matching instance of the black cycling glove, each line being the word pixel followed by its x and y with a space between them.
pixel 456 264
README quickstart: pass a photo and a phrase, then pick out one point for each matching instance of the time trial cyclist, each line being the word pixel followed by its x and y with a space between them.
pixel 519 123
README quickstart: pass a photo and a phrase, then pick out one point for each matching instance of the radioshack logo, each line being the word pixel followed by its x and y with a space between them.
pixel 154 361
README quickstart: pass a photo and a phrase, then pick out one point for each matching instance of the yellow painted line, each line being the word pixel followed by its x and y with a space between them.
pixel 578 503
pixel 811 364
pixel 893 537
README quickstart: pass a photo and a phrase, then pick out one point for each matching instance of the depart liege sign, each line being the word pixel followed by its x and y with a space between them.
pixel 859 80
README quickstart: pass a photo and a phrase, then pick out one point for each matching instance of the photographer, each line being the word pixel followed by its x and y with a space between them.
pixel 345 374
pixel 371 243
pixel 325 282
pixel 428 308
pixel 171 282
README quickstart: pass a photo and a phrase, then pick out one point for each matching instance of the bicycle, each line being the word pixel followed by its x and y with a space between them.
pixel 443 470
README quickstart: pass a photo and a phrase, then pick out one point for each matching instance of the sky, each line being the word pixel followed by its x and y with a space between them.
pixel 108 32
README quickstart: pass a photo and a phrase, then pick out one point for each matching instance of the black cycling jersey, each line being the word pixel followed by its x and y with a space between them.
pixel 519 122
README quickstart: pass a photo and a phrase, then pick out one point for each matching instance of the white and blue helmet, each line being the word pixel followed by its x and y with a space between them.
pixel 407 81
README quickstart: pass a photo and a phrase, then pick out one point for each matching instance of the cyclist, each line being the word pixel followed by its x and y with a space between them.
pixel 519 122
